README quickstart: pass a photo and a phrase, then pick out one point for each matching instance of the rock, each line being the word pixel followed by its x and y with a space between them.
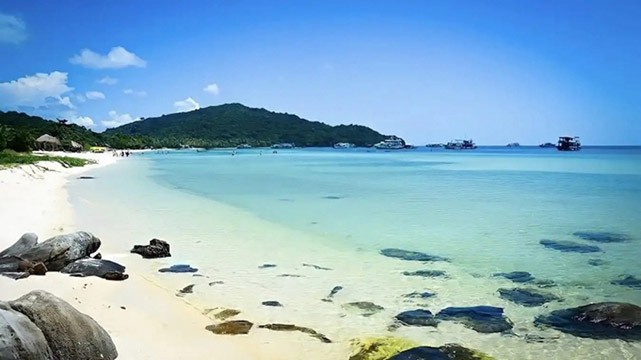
pixel 217 282
pixel 38 269
pixel 156 249
pixel 15 264
pixel 267 266
pixel 234 327
pixel 180 268
pixel 379 348
pixel 483 319
pixel 426 273
pixel 420 295
pixel 272 303
pixel 607 320
pixel 334 291
pixel 96 267
pixel 26 242
pixel 290 275
pixel 85 177
pixel 15 275
pixel 332 197
pixel 569 246
pixel 602 237
pixel 419 317
pixel 597 262
pixel 189 289
pixel 410 255
pixel 628 280
pixel 20 339
pixel 526 297
pixel 445 352
pixel 291 327
pixel 316 267
pixel 364 308
pixel 517 276
pixel 226 314
pixel 61 250
pixel 544 283
pixel 69 333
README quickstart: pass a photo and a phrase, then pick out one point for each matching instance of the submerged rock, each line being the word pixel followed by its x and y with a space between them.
pixel 607 320
pixel 267 266
pixel 290 275
pixel 332 197
pixel 569 246
pixel 419 317
pixel 234 327
pixel 426 273
pixel 445 352
pixel 628 280
pixel 410 255
pixel 419 295
pixel 179 268
pixel 517 276
pixel 365 308
pixel 59 251
pixel 316 267
pixel 526 297
pixel 601 237
pixel 272 303
pixel 26 242
pixel 226 314
pixel 483 319
pixel 156 249
pixel 96 267
pixel 597 262
pixel 217 282
pixel 292 327
pixel 379 348
pixel 189 289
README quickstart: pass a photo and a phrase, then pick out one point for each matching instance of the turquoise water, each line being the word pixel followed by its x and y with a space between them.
pixel 487 210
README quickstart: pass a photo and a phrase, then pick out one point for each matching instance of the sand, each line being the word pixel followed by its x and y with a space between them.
pixel 144 320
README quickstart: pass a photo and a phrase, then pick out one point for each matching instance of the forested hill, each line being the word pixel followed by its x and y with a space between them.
pixel 233 124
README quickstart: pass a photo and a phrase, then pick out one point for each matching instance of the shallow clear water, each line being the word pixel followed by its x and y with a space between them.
pixel 487 210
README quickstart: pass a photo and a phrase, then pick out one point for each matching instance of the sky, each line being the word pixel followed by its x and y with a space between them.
pixel 428 71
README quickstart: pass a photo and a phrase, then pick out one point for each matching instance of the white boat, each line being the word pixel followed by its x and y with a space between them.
pixel 344 145
pixel 392 143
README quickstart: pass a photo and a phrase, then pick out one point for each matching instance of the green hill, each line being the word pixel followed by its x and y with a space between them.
pixel 233 124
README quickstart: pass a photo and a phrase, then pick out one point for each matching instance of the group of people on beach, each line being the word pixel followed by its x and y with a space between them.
pixel 121 154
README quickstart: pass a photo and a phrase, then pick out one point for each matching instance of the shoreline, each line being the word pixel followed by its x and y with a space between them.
pixel 143 320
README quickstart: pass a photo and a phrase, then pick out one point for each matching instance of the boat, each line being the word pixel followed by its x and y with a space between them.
pixel 244 146
pixel 283 146
pixel 460 145
pixel 391 143
pixel 568 143
pixel 434 145
pixel 344 145
pixel 547 145
pixel 514 144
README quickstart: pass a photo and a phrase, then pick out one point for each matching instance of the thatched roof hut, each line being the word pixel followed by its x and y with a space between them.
pixel 48 142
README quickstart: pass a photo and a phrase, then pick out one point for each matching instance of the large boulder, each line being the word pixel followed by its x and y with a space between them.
pixel 20 339
pixel 483 319
pixel 61 250
pixel 419 317
pixel 607 320
pixel 156 249
pixel 445 352
pixel 105 269
pixel 26 242
pixel 70 334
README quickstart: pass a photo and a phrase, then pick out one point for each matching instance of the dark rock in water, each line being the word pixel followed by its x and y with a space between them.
pixel 267 266
pixel 96 267
pixel 602 237
pixel 292 327
pixel 420 295
pixel 26 242
pixel 629 281
pixel 234 327
pixel 290 275
pixel 332 197
pixel 61 250
pixel 226 314
pixel 544 283
pixel 365 308
pixel 417 317
pixel 334 291
pixel 156 249
pixel 426 273
pixel 534 339
pixel 317 267
pixel 180 268
pixel 526 297
pixel 272 303
pixel 608 320
pixel 20 338
pixel 85 177
pixel 189 289
pixel 445 352
pixel 69 333
pixel 597 262
pixel 410 255
pixel 217 282
pixel 569 246
pixel 517 276
pixel 483 319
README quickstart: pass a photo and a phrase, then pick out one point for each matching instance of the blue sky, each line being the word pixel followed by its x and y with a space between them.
pixel 429 71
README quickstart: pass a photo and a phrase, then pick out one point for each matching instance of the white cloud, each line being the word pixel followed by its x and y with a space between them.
pixel 118 57
pixel 66 101
pixel 188 104
pixel 81 98
pixel 83 121
pixel 36 90
pixel 94 95
pixel 212 89
pixel 116 119
pixel 135 92
pixel 108 81
pixel 12 29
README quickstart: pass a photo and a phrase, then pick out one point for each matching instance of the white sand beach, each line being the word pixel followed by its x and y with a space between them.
pixel 144 321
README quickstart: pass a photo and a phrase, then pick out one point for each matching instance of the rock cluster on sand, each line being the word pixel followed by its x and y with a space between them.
pixel 156 249
pixel 69 253
pixel 39 325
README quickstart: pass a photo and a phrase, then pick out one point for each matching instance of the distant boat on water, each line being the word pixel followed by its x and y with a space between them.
pixel 434 145
pixel 568 143
pixel 547 145
pixel 283 146
pixel 391 143
pixel 244 146
pixel 344 145
pixel 514 144
pixel 461 145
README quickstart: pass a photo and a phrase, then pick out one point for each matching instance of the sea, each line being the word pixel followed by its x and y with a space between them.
pixel 292 225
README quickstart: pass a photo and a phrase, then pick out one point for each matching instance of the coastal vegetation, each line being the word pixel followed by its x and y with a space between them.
pixel 10 158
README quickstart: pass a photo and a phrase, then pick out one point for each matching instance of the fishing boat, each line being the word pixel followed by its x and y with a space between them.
pixel 283 146
pixel 568 143
pixel 460 145
pixel 391 143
